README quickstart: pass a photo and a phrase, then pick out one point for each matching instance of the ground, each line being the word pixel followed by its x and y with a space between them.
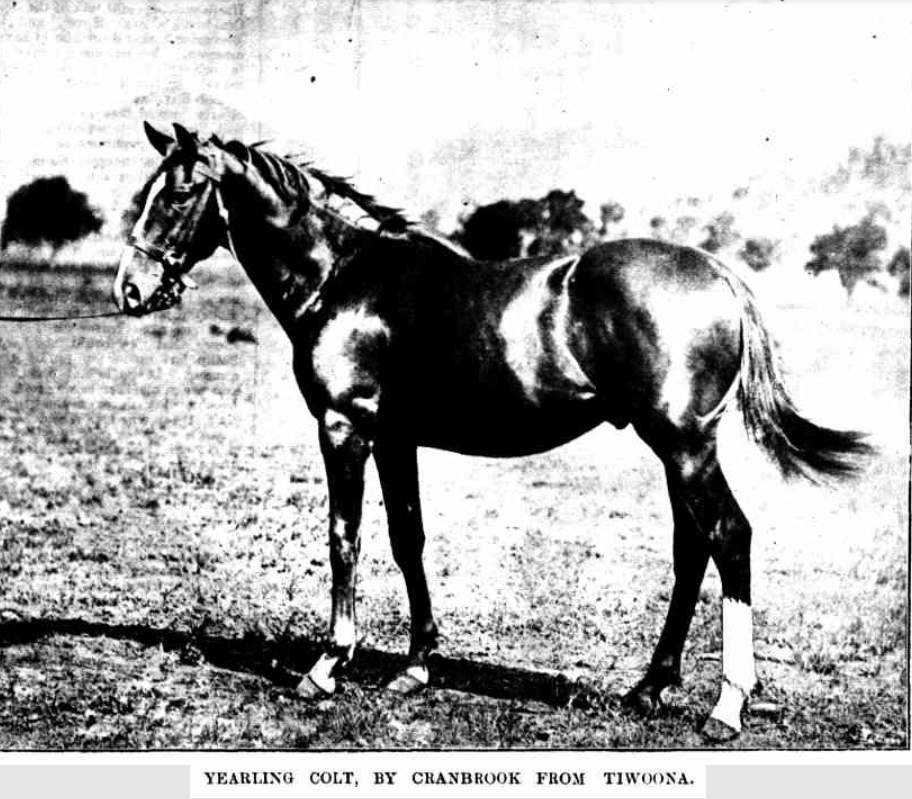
pixel 164 569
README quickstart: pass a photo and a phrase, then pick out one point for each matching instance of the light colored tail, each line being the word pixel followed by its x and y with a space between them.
pixel 798 446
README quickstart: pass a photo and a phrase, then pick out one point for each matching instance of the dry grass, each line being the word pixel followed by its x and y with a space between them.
pixel 162 542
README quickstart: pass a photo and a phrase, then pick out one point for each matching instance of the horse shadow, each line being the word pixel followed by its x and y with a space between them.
pixel 283 662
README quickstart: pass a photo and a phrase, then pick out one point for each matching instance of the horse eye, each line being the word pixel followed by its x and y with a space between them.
pixel 181 193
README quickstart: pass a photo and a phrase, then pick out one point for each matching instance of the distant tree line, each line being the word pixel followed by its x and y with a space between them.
pixel 556 223
pixel 48 212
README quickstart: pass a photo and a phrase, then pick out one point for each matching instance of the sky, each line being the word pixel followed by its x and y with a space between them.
pixel 446 104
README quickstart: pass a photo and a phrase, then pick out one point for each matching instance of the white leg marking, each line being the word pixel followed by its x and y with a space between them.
pixel 738 673
pixel 419 673
pixel 728 707
pixel 343 633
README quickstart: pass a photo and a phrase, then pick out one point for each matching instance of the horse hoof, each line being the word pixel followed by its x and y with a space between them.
pixel 718 731
pixel 309 688
pixel 411 681
pixel 644 700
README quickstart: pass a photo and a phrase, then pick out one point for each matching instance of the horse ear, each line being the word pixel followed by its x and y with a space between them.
pixel 160 141
pixel 216 141
pixel 185 139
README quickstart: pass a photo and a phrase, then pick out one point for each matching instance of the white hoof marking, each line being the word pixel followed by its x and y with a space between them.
pixel 728 708
pixel 321 673
pixel 419 673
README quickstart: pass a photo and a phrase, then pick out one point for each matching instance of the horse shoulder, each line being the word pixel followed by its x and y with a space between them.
pixel 339 363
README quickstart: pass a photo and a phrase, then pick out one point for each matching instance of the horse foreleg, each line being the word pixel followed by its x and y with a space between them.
pixel 691 554
pixel 397 467
pixel 344 453
pixel 731 554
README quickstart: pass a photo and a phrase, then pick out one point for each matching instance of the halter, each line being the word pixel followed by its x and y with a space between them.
pixel 174 279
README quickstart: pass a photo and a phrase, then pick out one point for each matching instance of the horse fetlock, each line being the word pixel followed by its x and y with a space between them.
pixel 412 680
pixel 424 640
pixel 645 698
pixel 341 652
pixel 664 672
pixel 319 681
pixel 724 722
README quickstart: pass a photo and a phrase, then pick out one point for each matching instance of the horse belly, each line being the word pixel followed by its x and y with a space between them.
pixel 504 380
pixel 494 426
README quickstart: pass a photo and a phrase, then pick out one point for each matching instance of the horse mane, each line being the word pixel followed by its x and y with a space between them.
pixel 391 219
pixel 288 175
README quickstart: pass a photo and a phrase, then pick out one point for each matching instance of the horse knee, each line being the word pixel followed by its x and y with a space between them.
pixel 344 545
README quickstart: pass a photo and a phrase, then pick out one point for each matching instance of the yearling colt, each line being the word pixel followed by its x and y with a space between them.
pixel 401 340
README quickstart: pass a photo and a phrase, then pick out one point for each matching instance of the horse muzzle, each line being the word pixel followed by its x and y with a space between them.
pixel 139 279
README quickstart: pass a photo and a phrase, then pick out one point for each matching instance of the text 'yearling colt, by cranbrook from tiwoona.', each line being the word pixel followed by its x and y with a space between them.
pixel 401 340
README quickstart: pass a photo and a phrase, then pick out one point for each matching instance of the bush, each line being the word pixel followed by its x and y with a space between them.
pixel 758 254
pixel 48 211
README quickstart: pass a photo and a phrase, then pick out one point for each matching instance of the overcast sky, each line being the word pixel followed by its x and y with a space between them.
pixel 439 103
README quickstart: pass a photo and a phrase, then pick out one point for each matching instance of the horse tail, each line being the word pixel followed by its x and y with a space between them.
pixel 798 446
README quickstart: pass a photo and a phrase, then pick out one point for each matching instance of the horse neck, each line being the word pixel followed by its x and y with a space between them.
pixel 287 257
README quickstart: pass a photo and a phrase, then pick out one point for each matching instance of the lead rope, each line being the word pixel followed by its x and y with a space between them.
pixel 60 318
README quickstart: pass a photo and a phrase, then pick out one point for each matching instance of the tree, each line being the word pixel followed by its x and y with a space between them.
pixel 48 211
pixel 899 267
pixel 720 232
pixel 610 213
pixel 758 253
pixel 885 165
pixel 658 227
pixel 682 227
pixel 561 225
pixel 851 251
pixel 493 232
pixel 551 225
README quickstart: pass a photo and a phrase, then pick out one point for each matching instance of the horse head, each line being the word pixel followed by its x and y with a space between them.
pixel 181 222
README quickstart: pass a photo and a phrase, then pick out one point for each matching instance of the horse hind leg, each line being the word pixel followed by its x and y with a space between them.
pixel 691 555
pixel 731 554
pixel 708 523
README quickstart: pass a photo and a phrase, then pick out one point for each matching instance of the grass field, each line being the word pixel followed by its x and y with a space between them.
pixel 163 559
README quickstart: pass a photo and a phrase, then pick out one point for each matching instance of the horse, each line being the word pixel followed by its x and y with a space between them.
pixel 402 340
